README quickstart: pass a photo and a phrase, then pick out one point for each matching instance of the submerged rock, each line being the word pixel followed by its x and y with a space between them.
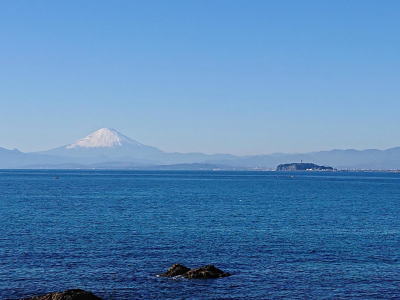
pixel 175 270
pixel 204 272
pixel 75 294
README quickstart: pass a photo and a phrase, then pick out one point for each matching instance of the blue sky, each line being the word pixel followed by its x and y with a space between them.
pixel 242 77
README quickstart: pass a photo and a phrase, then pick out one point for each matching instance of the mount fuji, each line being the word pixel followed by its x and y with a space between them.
pixel 104 138
pixel 108 146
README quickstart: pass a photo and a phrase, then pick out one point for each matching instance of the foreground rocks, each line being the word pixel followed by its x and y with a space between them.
pixel 204 272
pixel 175 270
pixel 76 294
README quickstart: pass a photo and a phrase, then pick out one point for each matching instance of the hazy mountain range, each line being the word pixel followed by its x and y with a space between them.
pixel 108 149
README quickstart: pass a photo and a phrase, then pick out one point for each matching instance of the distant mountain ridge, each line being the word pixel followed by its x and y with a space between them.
pixel 108 148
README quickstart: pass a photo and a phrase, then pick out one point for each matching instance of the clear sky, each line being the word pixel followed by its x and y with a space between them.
pixel 234 76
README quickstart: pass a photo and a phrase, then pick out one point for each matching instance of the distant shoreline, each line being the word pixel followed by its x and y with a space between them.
pixel 207 170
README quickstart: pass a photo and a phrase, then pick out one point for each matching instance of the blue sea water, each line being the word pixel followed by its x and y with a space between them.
pixel 309 235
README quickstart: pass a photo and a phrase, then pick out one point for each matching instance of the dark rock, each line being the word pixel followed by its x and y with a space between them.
pixel 75 294
pixel 175 270
pixel 206 272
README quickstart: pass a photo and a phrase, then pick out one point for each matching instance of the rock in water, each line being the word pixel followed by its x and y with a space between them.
pixel 75 294
pixel 175 270
pixel 206 272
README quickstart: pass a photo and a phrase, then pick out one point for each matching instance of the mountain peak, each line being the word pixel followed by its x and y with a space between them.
pixel 103 138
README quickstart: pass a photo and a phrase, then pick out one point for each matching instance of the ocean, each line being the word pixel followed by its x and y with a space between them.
pixel 300 235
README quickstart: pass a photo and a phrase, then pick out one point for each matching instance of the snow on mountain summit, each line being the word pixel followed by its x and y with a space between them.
pixel 103 138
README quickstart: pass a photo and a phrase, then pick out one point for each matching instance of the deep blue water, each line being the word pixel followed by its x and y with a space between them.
pixel 283 235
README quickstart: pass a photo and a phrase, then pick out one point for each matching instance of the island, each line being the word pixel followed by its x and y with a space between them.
pixel 302 167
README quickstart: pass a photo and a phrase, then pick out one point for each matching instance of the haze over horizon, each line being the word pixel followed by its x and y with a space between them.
pixel 94 143
pixel 107 148
pixel 212 77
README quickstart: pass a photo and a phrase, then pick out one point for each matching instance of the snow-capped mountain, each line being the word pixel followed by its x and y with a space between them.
pixel 106 145
pixel 110 146
pixel 103 138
